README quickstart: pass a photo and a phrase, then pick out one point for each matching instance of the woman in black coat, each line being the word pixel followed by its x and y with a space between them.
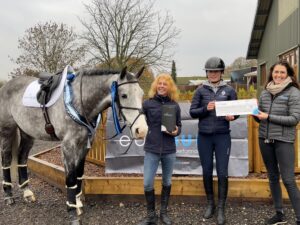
pixel 160 145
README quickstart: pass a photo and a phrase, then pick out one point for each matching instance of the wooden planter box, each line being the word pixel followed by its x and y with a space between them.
pixel 252 188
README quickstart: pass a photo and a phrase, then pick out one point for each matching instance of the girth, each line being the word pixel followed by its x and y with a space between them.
pixel 48 84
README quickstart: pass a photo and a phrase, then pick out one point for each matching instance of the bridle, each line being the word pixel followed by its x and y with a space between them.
pixel 116 99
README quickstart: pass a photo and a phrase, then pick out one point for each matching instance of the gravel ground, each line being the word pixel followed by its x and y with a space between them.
pixel 50 208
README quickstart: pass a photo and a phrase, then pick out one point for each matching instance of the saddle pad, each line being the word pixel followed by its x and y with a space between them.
pixel 29 97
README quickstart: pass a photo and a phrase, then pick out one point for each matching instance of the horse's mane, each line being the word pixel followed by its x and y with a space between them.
pixel 99 72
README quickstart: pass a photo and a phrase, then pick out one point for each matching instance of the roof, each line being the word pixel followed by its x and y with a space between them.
pixel 251 74
pixel 260 21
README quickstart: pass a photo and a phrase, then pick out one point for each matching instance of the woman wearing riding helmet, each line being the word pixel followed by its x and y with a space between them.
pixel 213 134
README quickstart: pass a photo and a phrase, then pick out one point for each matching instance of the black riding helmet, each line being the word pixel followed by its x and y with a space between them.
pixel 214 64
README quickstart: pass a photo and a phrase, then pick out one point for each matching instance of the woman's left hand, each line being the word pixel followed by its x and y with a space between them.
pixel 174 132
pixel 229 117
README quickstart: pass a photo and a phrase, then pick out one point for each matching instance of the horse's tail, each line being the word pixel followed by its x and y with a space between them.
pixel 15 152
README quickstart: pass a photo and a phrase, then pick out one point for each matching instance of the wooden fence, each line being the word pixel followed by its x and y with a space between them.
pixel 256 165
pixel 97 152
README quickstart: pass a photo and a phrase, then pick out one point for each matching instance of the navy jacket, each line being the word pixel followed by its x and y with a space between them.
pixel 156 140
pixel 209 123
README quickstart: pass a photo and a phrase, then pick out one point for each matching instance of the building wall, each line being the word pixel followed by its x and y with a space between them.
pixel 281 33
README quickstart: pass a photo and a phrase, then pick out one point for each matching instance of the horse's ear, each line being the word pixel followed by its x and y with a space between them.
pixel 140 73
pixel 123 72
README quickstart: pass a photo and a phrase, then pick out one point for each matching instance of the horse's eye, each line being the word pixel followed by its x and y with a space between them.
pixel 124 96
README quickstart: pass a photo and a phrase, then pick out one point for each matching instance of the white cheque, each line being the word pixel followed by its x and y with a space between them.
pixel 237 107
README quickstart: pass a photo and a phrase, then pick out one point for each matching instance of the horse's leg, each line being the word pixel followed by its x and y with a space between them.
pixel 6 165
pixel 72 152
pixel 7 136
pixel 80 172
pixel 25 146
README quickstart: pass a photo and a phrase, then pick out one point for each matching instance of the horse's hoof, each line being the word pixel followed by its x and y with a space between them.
pixel 73 218
pixel 29 196
pixel 79 211
pixel 30 199
pixel 75 222
pixel 9 201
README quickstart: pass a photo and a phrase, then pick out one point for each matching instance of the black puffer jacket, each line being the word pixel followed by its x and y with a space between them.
pixel 156 140
pixel 209 123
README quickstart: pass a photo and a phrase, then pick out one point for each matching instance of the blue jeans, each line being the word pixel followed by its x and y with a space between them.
pixel 218 144
pixel 151 162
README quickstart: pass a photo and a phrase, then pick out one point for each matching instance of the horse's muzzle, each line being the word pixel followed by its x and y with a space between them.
pixel 140 132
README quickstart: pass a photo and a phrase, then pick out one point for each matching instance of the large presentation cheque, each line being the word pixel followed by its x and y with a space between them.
pixel 237 107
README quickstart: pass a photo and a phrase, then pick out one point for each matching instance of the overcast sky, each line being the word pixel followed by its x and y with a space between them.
pixel 208 28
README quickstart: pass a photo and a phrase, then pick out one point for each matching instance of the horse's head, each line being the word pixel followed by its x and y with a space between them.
pixel 130 98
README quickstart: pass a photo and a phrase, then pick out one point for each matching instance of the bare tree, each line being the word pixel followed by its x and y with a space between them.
pixel 242 62
pixel 47 47
pixel 122 30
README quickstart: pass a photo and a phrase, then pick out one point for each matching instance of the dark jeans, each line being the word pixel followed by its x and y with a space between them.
pixel 220 144
pixel 151 162
pixel 279 159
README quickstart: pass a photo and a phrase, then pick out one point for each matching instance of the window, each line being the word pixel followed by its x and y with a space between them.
pixel 292 57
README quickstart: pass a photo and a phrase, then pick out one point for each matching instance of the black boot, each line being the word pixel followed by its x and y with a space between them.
pixel 165 195
pixel 151 218
pixel 208 186
pixel 222 195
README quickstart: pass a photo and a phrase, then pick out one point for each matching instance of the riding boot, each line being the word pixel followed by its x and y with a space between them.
pixel 222 196
pixel 208 186
pixel 151 218
pixel 165 195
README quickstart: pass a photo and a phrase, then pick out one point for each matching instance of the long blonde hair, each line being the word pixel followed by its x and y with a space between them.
pixel 172 93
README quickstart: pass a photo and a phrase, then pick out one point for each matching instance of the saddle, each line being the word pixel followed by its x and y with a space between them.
pixel 49 83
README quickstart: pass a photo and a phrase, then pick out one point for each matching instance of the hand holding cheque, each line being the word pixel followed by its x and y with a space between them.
pixel 236 107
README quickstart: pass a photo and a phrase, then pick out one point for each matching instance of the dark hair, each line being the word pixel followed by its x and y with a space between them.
pixel 289 69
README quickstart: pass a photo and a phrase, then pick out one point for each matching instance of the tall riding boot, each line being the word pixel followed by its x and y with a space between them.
pixel 223 189
pixel 151 218
pixel 165 195
pixel 208 186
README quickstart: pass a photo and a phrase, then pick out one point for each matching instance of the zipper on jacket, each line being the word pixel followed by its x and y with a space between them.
pixel 162 136
pixel 268 122
pixel 215 118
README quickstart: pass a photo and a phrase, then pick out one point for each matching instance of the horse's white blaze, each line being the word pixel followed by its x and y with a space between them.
pixel 139 128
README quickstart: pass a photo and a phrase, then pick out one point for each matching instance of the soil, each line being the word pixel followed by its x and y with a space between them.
pixel 50 207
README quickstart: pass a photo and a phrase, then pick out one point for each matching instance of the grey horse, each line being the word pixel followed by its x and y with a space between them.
pixel 92 95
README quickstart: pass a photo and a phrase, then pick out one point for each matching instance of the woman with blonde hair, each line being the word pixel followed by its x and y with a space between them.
pixel 159 145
